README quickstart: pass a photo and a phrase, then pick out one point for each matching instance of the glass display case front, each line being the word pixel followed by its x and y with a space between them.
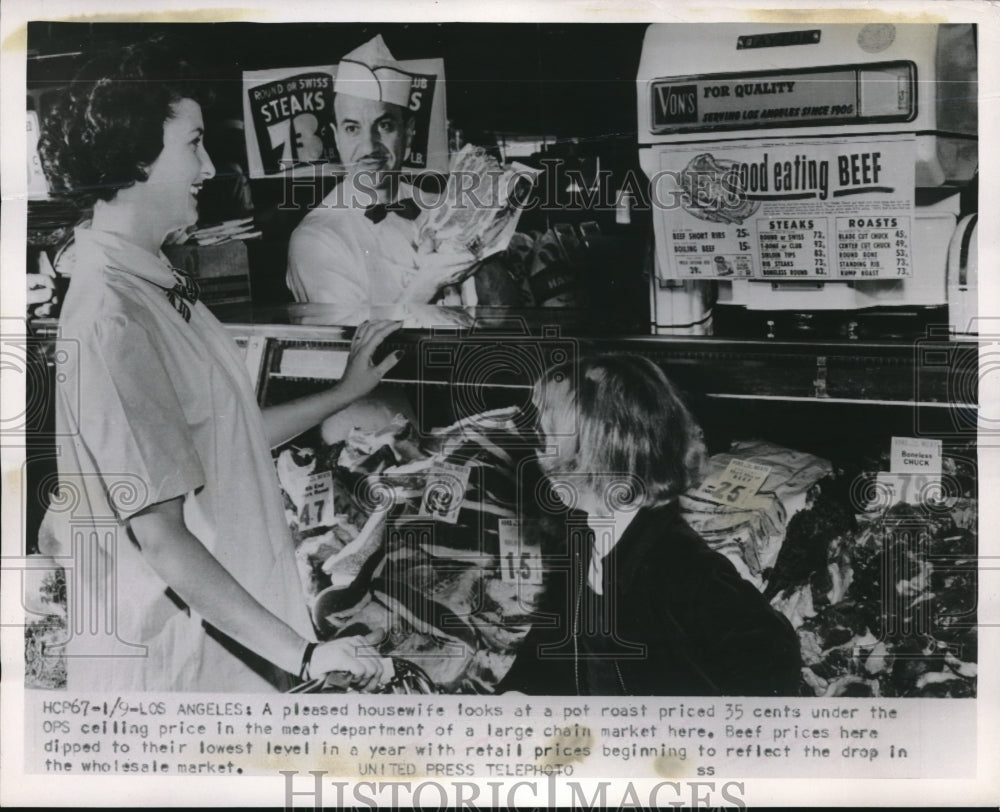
pixel 431 493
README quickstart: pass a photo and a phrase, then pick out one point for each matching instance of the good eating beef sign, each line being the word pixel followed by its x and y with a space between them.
pixel 824 209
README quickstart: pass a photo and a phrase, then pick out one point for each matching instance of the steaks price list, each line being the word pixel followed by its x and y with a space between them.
pixel 793 247
pixel 873 247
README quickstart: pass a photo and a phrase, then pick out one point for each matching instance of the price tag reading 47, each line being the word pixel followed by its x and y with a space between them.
pixel 317 506
pixel 519 561
pixel 738 483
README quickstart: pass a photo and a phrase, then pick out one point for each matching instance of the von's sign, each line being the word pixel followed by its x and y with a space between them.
pixel 674 104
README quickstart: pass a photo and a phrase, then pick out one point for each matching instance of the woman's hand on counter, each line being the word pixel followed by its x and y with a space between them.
pixel 361 374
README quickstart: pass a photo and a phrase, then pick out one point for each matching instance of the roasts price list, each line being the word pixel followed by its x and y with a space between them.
pixel 873 247
pixel 793 247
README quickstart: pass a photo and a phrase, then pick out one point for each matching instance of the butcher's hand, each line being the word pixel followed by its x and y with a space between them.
pixel 361 374
pixel 437 270
pixel 354 655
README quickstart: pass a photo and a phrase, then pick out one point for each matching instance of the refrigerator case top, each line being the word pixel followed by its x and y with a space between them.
pixel 806 167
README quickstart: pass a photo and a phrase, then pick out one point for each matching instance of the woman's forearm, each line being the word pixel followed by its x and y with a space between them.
pixel 361 375
pixel 198 578
pixel 288 420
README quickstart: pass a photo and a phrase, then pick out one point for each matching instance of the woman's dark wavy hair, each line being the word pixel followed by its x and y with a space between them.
pixel 107 128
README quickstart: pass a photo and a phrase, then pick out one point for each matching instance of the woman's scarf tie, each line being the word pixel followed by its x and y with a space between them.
pixel 183 294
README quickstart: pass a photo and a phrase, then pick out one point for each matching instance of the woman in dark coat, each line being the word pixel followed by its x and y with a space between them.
pixel 648 607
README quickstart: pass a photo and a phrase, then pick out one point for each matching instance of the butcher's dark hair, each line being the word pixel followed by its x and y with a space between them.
pixel 620 424
pixel 105 131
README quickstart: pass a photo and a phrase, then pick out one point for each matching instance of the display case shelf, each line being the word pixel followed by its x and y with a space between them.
pixel 935 371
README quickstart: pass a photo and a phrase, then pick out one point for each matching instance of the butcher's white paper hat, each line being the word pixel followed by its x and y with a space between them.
pixel 371 72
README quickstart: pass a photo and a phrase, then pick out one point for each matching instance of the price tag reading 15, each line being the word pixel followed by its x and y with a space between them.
pixel 519 561
pixel 737 484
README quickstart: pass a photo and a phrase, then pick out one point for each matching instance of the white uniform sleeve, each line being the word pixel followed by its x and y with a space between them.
pixel 323 268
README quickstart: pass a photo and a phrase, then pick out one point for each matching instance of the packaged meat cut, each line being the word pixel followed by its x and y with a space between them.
pixel 884 601
pixel 429 580
pixel 480 208
pixel 751 533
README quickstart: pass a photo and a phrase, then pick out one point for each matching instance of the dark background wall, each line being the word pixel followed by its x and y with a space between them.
pixel 558 79
pixel 571 82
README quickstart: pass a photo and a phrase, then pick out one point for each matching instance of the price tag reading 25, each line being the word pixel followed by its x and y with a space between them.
pixel 738 483
pixel 519 561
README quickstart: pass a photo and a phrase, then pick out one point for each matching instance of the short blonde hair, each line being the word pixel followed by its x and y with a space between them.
pixel 621 418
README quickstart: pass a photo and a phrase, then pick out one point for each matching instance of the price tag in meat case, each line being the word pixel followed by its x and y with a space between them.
pixel 444 492
pixel 914 471
pixel 737 484
pixel 830 209
pixel 915 455
pixel 317 504
pixel 913 489
pixel 519 561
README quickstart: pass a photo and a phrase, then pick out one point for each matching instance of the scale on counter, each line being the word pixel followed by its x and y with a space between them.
pixel 809 179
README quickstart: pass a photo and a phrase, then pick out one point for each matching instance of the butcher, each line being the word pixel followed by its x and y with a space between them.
pixel 358 248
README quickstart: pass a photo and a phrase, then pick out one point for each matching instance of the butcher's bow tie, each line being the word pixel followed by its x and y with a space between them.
pixel 405 208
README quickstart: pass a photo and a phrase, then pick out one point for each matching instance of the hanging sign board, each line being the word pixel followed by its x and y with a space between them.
pixel 855 94
pixel 288 114
pixel 806 209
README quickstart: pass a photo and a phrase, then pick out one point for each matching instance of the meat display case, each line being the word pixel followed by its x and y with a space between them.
pixel 836 402
pixel 832 565
pixel 858 391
